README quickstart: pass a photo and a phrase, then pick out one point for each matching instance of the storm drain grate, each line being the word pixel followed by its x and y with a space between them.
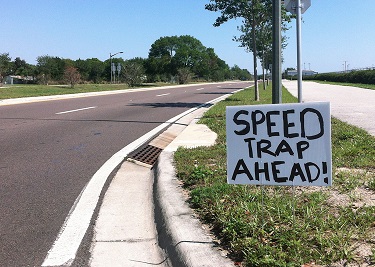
pixel 147 155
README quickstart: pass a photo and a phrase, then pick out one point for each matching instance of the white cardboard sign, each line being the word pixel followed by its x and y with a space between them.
pixel 279 144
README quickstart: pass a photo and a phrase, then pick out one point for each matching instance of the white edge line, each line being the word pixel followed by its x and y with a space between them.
pixel 66 245
pixel 74 110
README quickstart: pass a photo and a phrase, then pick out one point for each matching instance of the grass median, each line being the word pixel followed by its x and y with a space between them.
pixel 281 226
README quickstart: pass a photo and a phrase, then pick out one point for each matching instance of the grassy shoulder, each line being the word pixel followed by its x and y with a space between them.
pixel 29 90
pixel 269 226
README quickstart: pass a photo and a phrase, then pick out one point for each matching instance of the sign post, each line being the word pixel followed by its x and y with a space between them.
pixel 113 73
pixel 276 53
pixel 118 72
pixel 279 144
pixel 298 7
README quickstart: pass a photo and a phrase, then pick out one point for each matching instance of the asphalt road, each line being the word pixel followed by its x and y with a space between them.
pixel 49 151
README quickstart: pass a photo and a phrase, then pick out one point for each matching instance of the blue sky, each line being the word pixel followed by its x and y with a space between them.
pixel 333 31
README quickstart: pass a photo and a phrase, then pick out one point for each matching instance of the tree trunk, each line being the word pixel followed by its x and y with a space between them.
pixel 256 97
pixel 264 74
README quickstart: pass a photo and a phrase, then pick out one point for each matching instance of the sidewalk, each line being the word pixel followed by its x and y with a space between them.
pixel 353 105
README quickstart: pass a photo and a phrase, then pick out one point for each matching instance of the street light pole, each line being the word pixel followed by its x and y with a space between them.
pixel 110 57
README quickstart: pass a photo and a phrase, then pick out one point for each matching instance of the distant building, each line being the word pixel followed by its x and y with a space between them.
pixel 304 72
pixel 12 79
pixel 309 72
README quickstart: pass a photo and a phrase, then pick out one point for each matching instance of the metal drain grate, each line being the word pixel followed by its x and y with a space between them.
pixel 147 155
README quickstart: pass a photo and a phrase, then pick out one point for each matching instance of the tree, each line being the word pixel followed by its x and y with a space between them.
pixel 5 66
pixel 160 57
pixel 50 68
pixel 90 69
pixel 255 14
pixel 263 40
pixel 250 11
pixel 96 69
pixel 133 71
pixel 168 55
pixel 21 68
pixel 72 76
pixel 18 64
pixel 190 51
pixel 184 75
pixel 240 74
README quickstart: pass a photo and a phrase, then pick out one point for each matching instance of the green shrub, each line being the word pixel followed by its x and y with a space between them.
pixel 361 76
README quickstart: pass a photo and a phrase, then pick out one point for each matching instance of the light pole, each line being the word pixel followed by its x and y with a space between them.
pixel 345 66
pixel 110 57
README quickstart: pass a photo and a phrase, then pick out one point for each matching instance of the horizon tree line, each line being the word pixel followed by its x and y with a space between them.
pixel 175 59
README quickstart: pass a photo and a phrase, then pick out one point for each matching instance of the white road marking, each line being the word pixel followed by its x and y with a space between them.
pixel 74 110
pixel 164 94
pixel 200 89
pixel 65 247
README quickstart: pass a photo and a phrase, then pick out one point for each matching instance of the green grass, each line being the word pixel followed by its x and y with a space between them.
pixel 269 226
pixel 353 147
pixel 18 91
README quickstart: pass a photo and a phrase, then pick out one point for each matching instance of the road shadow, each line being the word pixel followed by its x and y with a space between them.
pixel 214 93
pixel 230 88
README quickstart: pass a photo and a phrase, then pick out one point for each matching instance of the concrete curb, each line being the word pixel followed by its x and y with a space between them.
pixel 181 234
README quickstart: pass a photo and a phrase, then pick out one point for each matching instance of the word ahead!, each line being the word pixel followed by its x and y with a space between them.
pixel 285 144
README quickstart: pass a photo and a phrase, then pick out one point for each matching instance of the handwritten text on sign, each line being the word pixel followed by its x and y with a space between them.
pixel 284 144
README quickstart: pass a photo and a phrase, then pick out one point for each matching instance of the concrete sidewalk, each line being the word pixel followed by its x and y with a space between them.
pixel 353 105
